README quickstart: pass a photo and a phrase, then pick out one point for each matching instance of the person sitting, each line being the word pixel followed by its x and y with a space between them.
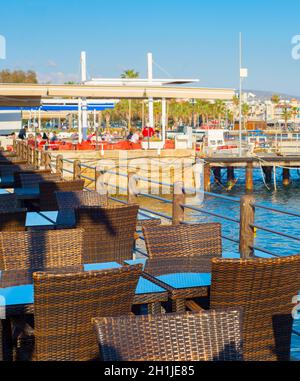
pixel 148 132
pixel 129 136
pixel 54 137
pixel 135 137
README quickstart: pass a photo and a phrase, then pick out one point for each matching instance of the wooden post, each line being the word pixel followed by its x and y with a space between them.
pixel 77 170
pixel 178 201
pixel 268 174
pixel 27 150
pixel 207 176
pixel 286 177
pixel 132 188
pixel 18 149
pixel 246 229
pixel 230 174
pixel 60 165
pixel 249 177
pixel 43 159
pixel 48 161
pixel 36 158
pixel 217 175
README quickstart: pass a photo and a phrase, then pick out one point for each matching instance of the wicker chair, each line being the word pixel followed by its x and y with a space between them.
pixel 109 232
pixel 12 219
pixel 64 305
pixel 206 336
pixel 73 200
pixel 183 240
pixel 11 169
pixel 41 249
pixel 264 288
pixel 32 180
pixel 48 192
pixel 18 173
pixel 8 202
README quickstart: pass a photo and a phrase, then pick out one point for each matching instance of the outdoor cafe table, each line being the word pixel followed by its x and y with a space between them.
pixel 23 194
pixel 59 219
pixel 184 277
pixel 17 291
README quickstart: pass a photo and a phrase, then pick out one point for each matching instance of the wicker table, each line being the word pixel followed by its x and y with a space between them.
pixel 52 219
pixel 17 295
pixel 184 278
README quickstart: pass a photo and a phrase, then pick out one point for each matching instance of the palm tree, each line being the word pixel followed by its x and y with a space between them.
pixel 245 113
pixel 130 73
pixel 275 99
pixel 286 114
pixel 219 110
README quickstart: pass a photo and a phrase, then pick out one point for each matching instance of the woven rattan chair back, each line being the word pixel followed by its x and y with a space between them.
pixel 12 220
pixel 41 249
pixel 264 288
pixel 8 202
pixel 205 336
pixel 109 232
pixel 17 175
pixel 48 192
pixel 6 170
pixel 32 180
pixel 183 240
pixel 73 200
pixel 64 306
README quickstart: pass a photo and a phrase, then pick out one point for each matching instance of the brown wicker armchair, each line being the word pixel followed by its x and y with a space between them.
pixel 108 232
pixel 264 288
pixel 205 336
pixel 18 173
pixel 183 240
pixel 64 305
pixel 41 249
pixel 73 200
pixel 12 219
pixel 8 202
pixel 32 180
pixel 48 192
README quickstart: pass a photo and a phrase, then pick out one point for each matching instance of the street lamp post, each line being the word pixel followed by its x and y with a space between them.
pixel 243 74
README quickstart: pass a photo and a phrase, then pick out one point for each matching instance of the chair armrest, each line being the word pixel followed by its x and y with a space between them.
pixel 193 306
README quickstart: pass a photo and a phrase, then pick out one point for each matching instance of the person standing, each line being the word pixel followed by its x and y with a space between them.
pixel 22 133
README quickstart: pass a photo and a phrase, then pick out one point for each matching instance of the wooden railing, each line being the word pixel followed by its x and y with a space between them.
pixel 246 204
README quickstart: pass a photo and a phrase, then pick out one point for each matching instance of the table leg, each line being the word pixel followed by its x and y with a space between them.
pixel 155 308
pixel 6 348
pixel 178 305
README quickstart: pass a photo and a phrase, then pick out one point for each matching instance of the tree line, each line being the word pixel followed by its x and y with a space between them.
pixel 18 76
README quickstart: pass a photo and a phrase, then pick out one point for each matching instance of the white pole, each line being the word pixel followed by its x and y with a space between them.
pixel 240 104
pixel 163 119
pixel 84 109
pixel 40 121
pixel 83 66
pixel 83 103
pixel 79 121
pixel 95 119
pixel 150 79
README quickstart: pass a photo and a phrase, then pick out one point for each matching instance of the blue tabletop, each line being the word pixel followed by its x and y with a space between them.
pixel 41 218
pixel 7 179
pixel 20 295
pixel 27 192
pixel 3 191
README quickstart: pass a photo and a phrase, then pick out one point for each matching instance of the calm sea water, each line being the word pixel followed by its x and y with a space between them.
pixel 287 198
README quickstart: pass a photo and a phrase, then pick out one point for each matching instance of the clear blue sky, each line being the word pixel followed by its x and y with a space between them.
pixel 189 38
